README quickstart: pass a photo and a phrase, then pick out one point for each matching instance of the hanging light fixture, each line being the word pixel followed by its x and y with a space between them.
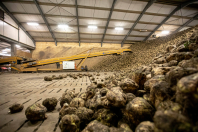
pixel 63 26
pixel 119 28
pixel 32 24
pixel 165 32
pixel 92 27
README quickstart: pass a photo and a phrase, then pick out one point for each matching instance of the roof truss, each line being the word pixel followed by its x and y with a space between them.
pixel 76 5
pixel 186 24
pixel 171 14
pixel 96 8
pixel 110 14
pixel 45 20
pixel 140 16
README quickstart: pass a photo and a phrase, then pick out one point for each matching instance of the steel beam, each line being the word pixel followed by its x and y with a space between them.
pixel 140 16
pixel 16 21
pixel 185 24
pixel 92 34
pixel 88 41
pixel 76 4
pixel 13 50
pixel 96 39
pixel 109 18
pixel 45 20
pixel 171 14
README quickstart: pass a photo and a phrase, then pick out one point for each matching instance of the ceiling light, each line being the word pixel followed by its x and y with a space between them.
pixel 93 27
pixel 6 49
pixel 18 46
pixel 32 23
pixel 63 26
pixel 118 28
pixel 165 32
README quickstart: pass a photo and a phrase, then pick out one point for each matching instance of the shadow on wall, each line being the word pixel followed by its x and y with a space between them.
pixel 50 52
pixel 41 54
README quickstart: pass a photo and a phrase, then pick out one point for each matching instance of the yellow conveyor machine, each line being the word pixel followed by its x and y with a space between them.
pixel 32 66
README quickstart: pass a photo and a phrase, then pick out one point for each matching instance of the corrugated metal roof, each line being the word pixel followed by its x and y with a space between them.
pixel 96 12
pixel 96 3
pixel 29 18
pixel 186 12
pixel 40 34
pixel 176 21
pixel 151 18
pixel 61 21
pixel 145 26
pixel 56 10
pixel 136 38
pixel 168 27
pixel 88 30
pixel 58 1
pixel 130 5
pixel 161 8
pixel 90 36
pixel 193 23
pixel 66 35
pixel 19 7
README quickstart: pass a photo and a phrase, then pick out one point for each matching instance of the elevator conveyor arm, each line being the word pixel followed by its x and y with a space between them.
pixel 10 60
pixel 74 57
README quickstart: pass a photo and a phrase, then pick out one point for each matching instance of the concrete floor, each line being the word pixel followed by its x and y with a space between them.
pixel 28 88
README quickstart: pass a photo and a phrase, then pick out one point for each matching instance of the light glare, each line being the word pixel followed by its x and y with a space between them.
pixel 32 23
pixel 165 32
pixel 118 28
pixel 93 27
pixel 63 26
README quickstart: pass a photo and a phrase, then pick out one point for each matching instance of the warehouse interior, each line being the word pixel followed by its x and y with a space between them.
pixel 98 65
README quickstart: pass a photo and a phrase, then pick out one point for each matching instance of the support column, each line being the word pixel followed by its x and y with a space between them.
pixel 31 51
pixel 13 50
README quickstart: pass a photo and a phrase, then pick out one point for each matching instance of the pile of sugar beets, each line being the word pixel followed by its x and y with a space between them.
pixel 161 97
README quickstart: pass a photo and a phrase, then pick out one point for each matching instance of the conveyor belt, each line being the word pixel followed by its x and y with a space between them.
pixel 74 57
